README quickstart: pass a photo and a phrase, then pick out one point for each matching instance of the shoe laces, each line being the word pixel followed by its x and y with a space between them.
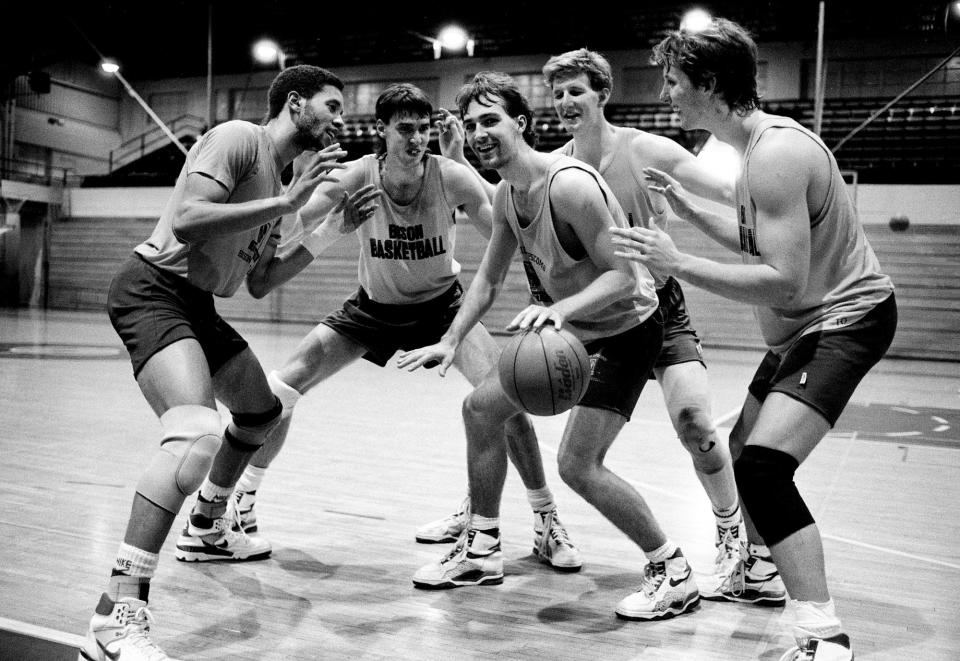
pixel 653 576
pixel 139 636
pixel 552 529
pixel 736 581
pixel 459 550
pixel 729 544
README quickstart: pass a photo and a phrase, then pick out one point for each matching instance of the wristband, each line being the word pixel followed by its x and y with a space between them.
pixel 321 238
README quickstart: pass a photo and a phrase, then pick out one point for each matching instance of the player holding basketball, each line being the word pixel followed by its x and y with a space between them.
pixel 219 227
pixel 558 211
pixel 409 293
pixel 826 311
pixel 581 82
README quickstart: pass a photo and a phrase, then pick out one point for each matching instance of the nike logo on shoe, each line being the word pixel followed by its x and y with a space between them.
pixel 113 656
pixel 677 580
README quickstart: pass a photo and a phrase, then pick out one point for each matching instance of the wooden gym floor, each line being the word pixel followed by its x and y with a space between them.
pixel 374 452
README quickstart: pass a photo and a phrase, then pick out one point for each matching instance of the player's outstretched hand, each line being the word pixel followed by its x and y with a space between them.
pixel 670 188
pixel 440 353
pixel 356 209
pixel 651 247
pixel 452 136
pixel 311 172
pixel 535 316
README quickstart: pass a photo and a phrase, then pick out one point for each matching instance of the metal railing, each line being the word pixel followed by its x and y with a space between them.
pixel 37 172
pixel 153 139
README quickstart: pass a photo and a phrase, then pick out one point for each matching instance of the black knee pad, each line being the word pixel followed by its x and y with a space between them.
pixel 765 481
pixel 247 431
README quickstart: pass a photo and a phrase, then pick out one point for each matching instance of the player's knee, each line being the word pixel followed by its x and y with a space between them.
pixel 696 431
pixel 575 470
pixel 247 431
pixel 191 438
pixel 287 395
pixel 765 482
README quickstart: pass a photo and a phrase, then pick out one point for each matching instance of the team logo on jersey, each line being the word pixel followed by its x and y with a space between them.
pixel 537 290
pixel 748 235
pixel 407 243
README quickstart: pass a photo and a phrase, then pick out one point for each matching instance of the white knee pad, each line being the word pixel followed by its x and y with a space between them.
pixel 191 438
pixel 288 396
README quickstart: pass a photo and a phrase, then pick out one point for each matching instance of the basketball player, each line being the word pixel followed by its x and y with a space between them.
pixel 219 227
pixel 558 211
pixel 826 311
pixel 581 82
pixel 409 293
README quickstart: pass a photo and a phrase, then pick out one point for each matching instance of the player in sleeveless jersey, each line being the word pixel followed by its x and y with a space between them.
pixel 581 82
pixel 557 211
pixel 409 293
pixel 826 311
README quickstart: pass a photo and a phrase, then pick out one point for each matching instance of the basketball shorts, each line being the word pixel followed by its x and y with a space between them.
pixel 620 366
pixel 823 369
pixel 151 309
pixel 383 329
pixel 680 341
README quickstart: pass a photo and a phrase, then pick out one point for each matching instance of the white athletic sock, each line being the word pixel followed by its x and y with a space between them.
pixel 214 493
pixel 812 619
pixel 251 478
pixel 541 500
pixel 759 550
pixel 662 553
pixel 485 523
pixel 729 517
pixel 132 561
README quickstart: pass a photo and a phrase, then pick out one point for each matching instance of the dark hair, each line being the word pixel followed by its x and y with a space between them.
pixel 305 79
pixel 402 98
pixel 723 53
pixel 575 62
pixel 489 87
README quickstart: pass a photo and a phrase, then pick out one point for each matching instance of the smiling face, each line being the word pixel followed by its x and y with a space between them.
pixel 691 103
pixel 577 104
pixel 319 121
pixel 406 136
pixel 493 134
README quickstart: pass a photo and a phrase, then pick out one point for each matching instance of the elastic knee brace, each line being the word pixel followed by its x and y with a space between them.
pixel 287 395
pixel 247 431
pixel 191 438
pixel 765 481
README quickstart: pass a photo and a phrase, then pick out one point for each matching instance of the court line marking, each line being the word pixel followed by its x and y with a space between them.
pixel 678 496
pixel 35 631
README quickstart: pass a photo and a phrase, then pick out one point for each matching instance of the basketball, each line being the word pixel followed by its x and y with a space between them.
pixel 544 371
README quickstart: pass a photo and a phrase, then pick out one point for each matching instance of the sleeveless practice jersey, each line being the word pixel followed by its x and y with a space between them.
pixel 845 281
pixel 628 186
pixel 406 250
pixel 243 159
pixel 553 275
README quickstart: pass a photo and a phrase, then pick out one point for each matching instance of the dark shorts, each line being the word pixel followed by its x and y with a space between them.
pixel 151 309
pixel 383 329
pixel 620 366
pixel 680 341
pixel 823 369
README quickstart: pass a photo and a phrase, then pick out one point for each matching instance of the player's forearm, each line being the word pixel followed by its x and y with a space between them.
pixel 198 219
pixel 477 301
pixel 721 229
pixel 277 271
pixel 611 286
pixel 756 284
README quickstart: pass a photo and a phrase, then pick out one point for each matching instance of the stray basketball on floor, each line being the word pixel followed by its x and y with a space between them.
pixel 544 371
